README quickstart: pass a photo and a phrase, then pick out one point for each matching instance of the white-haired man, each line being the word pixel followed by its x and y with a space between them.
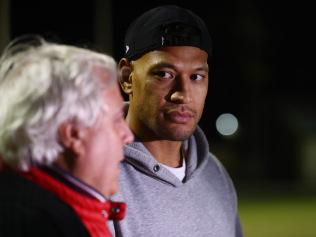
pixel 61 137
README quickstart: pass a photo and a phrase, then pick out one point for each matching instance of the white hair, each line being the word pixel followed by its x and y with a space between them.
pixel 41 86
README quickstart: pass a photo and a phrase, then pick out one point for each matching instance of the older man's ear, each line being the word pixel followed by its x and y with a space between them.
pixel 70 136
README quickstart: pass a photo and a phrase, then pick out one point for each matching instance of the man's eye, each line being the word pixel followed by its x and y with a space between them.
pixel 197 77
pixel 164 74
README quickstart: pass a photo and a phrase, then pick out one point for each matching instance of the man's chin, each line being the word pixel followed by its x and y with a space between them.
pixel 177 134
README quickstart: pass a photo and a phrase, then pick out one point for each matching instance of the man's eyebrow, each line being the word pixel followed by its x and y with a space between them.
pixel 203 67
pixel 162 64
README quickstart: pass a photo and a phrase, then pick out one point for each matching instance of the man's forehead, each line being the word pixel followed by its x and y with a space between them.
pixel 165 58
pixel 113 98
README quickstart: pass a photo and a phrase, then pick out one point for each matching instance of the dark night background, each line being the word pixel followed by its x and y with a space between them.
pixel 263 72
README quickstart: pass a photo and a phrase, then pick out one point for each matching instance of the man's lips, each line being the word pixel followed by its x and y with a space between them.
pixel 180 117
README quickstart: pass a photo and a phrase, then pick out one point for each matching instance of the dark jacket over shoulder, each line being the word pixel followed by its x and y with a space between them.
pixel 26 209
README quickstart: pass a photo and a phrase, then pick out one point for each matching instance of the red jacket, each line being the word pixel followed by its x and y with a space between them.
pixel 93 213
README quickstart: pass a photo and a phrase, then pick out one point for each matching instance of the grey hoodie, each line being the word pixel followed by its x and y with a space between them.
pixel 160 205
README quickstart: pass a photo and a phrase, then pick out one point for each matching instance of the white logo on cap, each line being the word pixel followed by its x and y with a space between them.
pixel 126 48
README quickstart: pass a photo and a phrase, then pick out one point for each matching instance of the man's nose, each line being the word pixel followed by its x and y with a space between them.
pixel 182 91
pixel 128 136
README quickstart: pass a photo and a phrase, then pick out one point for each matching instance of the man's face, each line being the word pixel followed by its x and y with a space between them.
pixel 169 88
pixel 103 143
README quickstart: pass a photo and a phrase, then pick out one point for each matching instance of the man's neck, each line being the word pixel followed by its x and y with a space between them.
pixel 165 152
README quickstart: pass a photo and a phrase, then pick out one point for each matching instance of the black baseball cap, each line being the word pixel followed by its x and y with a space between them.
pixel 167 25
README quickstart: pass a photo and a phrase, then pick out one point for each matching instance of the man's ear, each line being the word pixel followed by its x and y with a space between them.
pixel 70 137
pixel 126 78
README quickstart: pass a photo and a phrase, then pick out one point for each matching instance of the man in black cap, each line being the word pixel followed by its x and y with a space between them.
pixel 172 184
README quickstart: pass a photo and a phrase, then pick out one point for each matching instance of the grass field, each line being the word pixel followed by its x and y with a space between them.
pixel 278 217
